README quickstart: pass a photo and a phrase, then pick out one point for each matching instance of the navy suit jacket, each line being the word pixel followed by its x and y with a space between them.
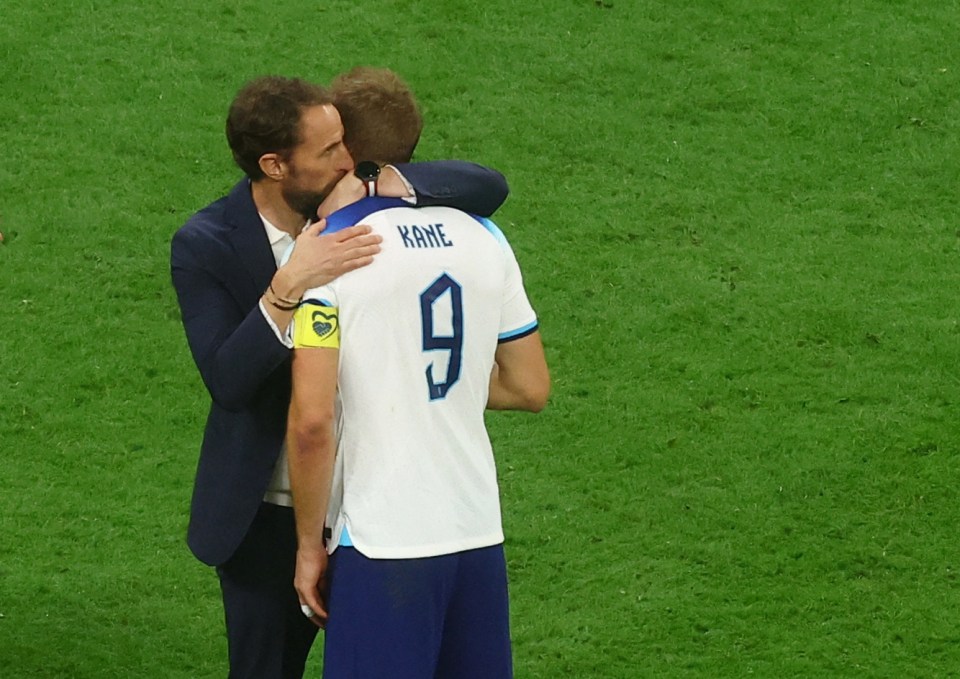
pixel 221 263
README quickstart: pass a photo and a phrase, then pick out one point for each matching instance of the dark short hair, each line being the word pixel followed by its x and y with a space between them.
pixel 265 118
pixel 381 118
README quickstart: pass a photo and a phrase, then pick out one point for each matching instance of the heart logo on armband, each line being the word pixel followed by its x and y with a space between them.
pixel 324 324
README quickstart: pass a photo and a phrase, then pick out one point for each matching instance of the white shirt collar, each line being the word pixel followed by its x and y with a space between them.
pixel 279 240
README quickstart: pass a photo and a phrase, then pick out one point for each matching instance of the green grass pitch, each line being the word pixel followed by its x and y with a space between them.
pixel 737 220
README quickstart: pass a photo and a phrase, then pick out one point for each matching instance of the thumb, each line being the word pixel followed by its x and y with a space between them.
pixel 315 227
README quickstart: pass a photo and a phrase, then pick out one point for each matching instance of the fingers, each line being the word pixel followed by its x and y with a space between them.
pixel 315 613
pixel 362 248
pixel 356 231
pixel 358 234
pixel 357 252
pixel 321 259
pixel 359 242
pixel 311 603
pixel 359 246
pixel 351 264
pixel 309 582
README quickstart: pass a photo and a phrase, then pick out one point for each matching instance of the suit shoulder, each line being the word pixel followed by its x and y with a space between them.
pixel 210 221
pixel 203 237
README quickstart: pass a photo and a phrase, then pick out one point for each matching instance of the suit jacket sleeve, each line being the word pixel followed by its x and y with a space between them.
pixel 232 344
pixel 457 183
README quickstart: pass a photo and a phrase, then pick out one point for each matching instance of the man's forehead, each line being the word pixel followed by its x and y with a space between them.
pixel 321 122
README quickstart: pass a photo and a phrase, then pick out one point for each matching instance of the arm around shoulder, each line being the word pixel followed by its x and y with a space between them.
pixel 456 183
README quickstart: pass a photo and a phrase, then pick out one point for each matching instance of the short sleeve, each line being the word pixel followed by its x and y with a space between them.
pixel 517 317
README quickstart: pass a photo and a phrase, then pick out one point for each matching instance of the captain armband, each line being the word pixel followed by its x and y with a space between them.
pixel 316 326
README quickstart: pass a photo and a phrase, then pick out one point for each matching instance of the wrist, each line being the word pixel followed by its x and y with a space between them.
pixel 285 287
pixel 280 303
pixel 308 545
pixel 369 173
pixel 393 184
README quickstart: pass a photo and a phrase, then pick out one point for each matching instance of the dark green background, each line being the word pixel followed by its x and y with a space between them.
pixel 737 220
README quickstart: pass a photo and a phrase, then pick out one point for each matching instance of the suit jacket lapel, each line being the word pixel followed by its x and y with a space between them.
pixel 248 237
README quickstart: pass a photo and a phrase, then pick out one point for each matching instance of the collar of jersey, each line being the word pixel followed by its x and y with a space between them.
pixel 355 212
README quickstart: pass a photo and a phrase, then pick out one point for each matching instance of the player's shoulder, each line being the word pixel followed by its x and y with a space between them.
pixel 491 228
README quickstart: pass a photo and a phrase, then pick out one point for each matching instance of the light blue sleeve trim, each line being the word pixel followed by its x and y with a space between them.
pixel 518 332
pixel 493 229
pixel 345 540
pixel 318 301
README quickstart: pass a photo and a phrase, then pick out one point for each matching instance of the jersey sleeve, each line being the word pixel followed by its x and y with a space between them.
pixel 517 317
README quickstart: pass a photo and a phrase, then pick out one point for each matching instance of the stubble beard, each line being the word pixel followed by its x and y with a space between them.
pixel 303 202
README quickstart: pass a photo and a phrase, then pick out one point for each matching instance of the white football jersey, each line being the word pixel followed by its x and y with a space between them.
pixel 415 474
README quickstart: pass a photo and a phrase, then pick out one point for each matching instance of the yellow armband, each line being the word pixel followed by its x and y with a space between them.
pixel 316 326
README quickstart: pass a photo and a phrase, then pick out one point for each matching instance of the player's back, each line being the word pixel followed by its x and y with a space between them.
pixel 418 331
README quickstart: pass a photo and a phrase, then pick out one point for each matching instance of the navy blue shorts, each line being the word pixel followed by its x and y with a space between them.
pixel 443 617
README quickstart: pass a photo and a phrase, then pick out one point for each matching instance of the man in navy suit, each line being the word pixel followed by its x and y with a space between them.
pixel 236 303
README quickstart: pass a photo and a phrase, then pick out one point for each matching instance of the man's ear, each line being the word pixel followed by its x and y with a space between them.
pixel 272 165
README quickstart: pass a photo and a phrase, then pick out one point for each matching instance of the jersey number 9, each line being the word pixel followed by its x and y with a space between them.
pixel 433 342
